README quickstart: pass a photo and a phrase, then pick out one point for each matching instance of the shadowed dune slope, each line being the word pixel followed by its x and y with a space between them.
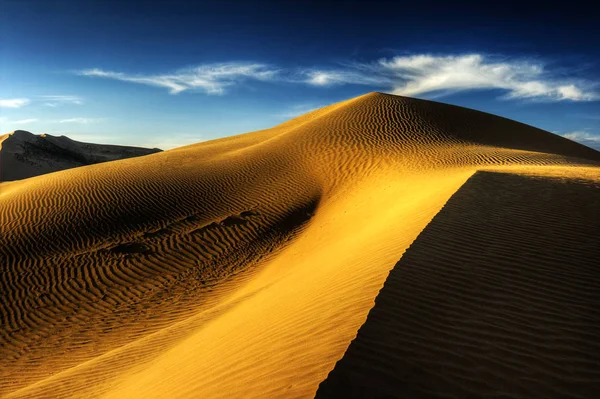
pixel 497 297
pixel 239 267
pixel 23 154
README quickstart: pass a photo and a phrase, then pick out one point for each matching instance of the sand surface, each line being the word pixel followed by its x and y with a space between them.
pixel 514 313
pixel 239 267
pixel 23 154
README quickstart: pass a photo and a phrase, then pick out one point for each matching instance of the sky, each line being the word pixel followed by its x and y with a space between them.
pixel 170 73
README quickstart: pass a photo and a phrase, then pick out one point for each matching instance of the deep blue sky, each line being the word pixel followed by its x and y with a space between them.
pixel 168 73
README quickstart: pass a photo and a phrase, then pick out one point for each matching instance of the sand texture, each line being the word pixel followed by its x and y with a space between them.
pixel 23 154
pixel 245 266
pixel 513 313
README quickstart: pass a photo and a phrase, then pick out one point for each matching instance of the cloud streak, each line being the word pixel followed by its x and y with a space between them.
pixel 422 74
pixel 83 121
pixel 321 77
pixel 14 102
pixel 211 79
pixel 584 137
pixel 59 100
pixel 49 101
pixel 520 79
pixel 413 75
pixel 24 121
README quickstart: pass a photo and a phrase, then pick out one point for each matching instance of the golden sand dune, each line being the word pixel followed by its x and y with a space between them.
pixel 239 267
pixel 23 154
pixel 512 313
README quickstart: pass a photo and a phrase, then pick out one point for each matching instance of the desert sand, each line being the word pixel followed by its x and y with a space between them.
pixel 246 266
pixel 511 314
pixel 24 154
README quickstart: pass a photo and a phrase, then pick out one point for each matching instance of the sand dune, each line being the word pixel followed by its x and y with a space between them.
pixel 23 154
pixel 240 267
pixel 513 313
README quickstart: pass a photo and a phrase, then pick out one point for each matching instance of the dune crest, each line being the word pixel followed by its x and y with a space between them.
pixel 239 267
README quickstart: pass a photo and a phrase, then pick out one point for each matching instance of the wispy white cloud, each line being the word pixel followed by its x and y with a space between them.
pixel 521 79
pixel 403 75
pixel 420 74
pixel 49 101
pixel 14 102
pixel 24 121
pixel 320 77
pixel 58 100
pixel 83 121
pixel 157 80
pixel 584 137
pixel 211 78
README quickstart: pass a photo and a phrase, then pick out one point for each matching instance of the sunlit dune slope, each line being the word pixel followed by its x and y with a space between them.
pixel 23 154
pixel 240 267
pixel 512 313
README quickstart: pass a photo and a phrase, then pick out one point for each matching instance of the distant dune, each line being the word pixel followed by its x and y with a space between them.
pixel 246 266
pixel 23 154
